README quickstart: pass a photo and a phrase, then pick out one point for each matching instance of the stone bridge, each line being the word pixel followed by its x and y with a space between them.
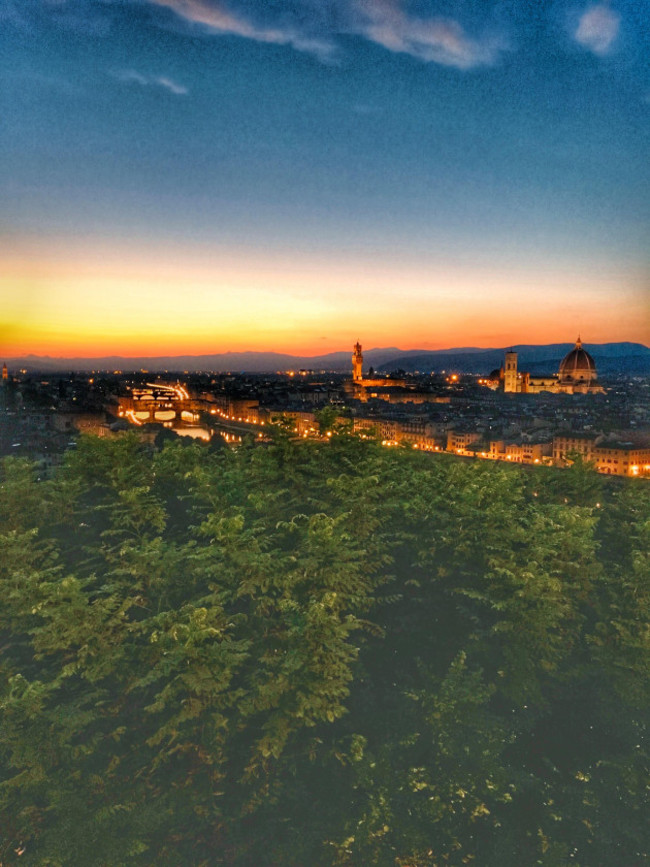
pixel 143 404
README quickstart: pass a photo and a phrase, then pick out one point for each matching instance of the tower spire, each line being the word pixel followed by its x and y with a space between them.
pixel 357 363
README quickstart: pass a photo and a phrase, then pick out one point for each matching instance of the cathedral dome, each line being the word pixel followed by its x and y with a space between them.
pixel 578 365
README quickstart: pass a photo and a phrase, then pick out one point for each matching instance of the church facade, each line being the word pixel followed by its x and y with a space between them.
pixel 577 375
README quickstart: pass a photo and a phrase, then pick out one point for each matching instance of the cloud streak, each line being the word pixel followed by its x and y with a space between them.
pixel 597 29
pixel 218 18
pixel 314 28
pixel 433 40
pixel 130 76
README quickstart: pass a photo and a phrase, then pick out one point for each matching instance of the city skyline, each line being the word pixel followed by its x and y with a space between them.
pixel 191 176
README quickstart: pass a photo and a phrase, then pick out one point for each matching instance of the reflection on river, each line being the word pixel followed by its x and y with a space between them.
pixel 188 424
pixel 185 426
pixel 195 431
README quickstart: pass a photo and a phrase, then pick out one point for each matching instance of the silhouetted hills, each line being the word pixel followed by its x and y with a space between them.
pixel 610 358
pixel 236 362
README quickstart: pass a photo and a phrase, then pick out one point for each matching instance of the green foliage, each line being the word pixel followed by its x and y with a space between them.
pixel 329 419
pixel 321 653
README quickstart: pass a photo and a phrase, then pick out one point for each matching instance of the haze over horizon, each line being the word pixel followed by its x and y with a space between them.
pixel 622 355
pixel 198 176
pixel 340 350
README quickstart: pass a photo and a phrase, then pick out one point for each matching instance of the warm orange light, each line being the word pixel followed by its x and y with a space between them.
pixel 66 297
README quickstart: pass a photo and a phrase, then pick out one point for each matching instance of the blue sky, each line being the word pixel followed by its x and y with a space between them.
pixel 333 157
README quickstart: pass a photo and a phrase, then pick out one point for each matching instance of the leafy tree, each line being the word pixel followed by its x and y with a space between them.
pixel 320 652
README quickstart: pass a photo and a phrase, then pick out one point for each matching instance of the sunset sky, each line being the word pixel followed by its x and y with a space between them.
pixel 195 176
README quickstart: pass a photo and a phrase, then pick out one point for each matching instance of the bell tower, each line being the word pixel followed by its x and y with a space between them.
pixel 357 363
pixel 510 373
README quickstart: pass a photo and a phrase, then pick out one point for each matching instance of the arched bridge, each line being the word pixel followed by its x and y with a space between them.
pixel 143 404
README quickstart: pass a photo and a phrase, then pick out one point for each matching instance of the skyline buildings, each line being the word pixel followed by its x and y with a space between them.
pixel 200 177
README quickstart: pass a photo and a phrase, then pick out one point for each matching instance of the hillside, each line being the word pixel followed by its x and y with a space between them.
pixel 610 358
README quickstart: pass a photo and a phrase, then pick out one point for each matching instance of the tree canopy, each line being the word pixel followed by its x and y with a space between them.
pixel 322 653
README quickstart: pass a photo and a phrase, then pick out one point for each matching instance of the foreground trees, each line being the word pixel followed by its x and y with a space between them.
pixel 320 653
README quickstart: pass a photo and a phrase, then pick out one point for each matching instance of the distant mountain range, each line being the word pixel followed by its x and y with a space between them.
pixel 609 357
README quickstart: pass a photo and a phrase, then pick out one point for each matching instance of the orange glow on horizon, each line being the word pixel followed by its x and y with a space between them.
pixel 98 300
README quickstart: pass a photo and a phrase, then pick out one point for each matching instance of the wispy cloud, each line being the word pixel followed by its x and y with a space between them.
pixel 178 89
pixel 216 17
pixel 314 28
pixel 598 28
pixel 131 76
pixel 435 40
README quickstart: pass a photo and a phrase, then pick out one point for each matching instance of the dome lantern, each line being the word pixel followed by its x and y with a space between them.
pixel 578 365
